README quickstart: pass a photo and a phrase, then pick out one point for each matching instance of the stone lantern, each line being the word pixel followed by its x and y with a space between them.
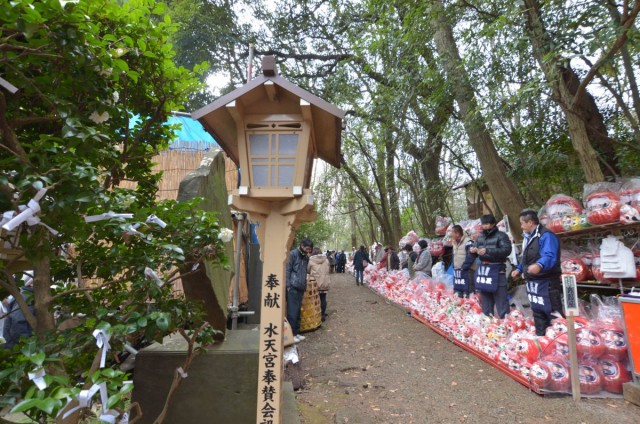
pixel 273 130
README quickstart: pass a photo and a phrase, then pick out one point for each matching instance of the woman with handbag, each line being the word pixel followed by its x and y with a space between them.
pixel 360 262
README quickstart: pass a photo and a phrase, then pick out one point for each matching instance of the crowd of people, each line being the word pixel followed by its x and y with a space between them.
pixel 482 266
pixel 478 266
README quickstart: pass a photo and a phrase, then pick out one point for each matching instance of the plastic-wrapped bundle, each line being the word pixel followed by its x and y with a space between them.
pixel 587 259
pixel 597 272
pixel 629 214
pixel 612 336
pixel 551 373
pixel 412 237
pixel 473 228
pixel 442 223
pixel 630 193
pixel 591 380
pixel 589 343
pixel 543 216
pixel 564 212
pixel 572 264
pixel 436 248
pixel 531 348
pixel 614 374
pixel 603 207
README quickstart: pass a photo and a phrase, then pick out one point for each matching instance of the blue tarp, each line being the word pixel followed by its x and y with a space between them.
pixel 190 136
pixel 191 131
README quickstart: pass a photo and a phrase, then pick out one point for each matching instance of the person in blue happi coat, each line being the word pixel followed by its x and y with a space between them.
pixel 492 247
pixel 540 267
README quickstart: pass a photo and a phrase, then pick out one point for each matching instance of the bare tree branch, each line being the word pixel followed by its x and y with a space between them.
pixel 627 21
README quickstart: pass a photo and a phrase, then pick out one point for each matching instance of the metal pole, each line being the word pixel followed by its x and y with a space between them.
pixel 239 218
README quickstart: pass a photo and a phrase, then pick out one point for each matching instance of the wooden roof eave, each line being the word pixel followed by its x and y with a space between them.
pixel 227 137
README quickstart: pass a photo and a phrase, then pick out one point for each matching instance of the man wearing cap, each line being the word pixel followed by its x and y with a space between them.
pixel 493 247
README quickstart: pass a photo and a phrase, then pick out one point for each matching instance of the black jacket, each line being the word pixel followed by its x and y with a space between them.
pixel 497 244
pixel 15 324
pixel 358 257
pixel 297 270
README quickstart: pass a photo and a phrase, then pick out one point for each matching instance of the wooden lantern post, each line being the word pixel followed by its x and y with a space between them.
pixel 273 130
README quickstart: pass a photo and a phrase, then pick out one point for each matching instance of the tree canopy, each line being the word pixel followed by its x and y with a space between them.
pixel 532 98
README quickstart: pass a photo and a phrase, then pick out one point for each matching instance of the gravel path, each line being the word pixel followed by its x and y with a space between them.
pixel 372 363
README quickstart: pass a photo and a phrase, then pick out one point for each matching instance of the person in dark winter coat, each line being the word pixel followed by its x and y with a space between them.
pixel 341 261
pixel 493 247
pixel 360 261
pixel 331 255
pixel 411 256
pixel 393 261
pixel 540 267
pixel 15 324
pixel 296 278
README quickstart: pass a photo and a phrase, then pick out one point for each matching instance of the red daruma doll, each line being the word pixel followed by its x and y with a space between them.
pixel 560 206
pixel 591 380
pixel 589 343
pixel 603 207
pixel 614 342
pixel 614 374
pixel 573 264
pixel 551 373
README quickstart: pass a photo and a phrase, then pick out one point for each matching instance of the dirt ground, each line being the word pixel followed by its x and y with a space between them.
pixel 372 363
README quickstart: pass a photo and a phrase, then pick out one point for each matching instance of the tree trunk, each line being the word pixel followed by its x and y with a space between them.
pixel 368 200
pixel 585 123
pixel 627 61
pixel 354 223
pixel 392 190
pixel 428 157
pixel 42 297
pixel 505 192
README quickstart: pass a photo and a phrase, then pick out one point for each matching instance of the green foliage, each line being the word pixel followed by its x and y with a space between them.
pixel 319 232
pixel 97 81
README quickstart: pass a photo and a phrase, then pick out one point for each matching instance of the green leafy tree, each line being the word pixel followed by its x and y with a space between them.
pixel 95 83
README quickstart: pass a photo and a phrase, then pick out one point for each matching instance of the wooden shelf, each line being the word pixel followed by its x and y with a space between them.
pixel 633 227
pixel 605 286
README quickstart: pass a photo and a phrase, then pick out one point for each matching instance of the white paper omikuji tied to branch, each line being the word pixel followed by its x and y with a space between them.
pixel 107 215
pixel 27 213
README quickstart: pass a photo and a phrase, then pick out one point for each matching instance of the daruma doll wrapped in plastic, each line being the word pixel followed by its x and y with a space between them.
pixel 603 207
pixel 562 210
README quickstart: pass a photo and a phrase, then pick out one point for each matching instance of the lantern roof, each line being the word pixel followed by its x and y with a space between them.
pixel 270 94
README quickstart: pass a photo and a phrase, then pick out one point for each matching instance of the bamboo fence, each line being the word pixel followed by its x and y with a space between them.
pixel 176 162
